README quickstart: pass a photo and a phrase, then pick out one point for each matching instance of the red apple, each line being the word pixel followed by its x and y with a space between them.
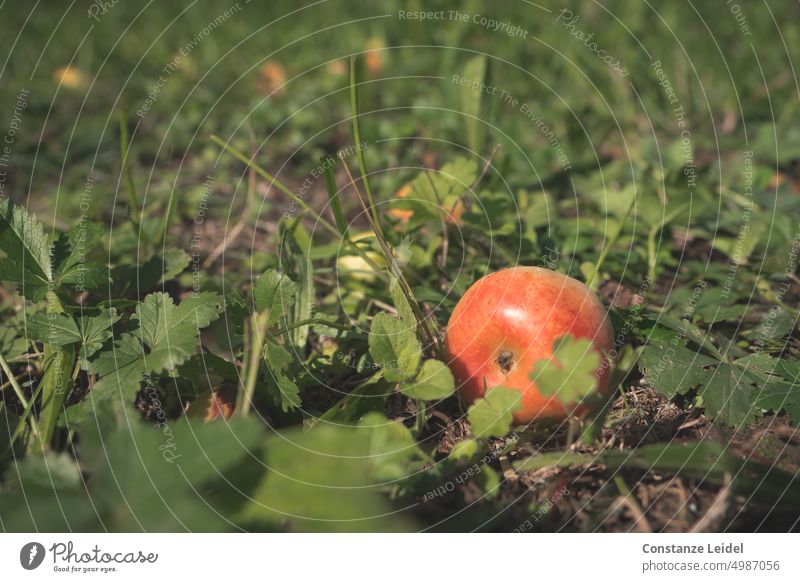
pixel 509 320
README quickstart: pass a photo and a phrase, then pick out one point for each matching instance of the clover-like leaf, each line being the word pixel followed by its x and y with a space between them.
pixel 492 414
pixel 434 382
pixel 569 374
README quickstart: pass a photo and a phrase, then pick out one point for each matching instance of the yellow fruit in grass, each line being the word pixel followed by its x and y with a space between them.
pixel 71 78
pixel 337 68
pixel 350 266
pixel 452 214
pixel 374 55
pixel 271 77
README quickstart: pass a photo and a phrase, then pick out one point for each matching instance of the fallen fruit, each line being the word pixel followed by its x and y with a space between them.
pixel 509 320
pixel 271 78
pixel 452 214
pixel 374 54
pixel 354 267
pixel 71 78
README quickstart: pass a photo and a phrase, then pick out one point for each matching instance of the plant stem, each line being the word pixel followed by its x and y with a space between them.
pixel 257 329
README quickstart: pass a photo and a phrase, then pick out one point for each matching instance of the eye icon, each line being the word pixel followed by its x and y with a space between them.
pixel 31 555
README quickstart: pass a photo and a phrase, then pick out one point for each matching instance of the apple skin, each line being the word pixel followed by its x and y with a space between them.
pixel 522 310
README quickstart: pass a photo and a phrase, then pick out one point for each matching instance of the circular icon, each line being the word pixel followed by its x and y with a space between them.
pixel 31 555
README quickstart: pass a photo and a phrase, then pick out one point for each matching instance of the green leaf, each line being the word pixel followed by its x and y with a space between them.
pixel 672 369
pixel 13 341
pixel 465 449
pixel 166 338
pixel 96 330
pixel 399 300
pixel 120 368
pixel 153 272
pixel 283 390
pixel 275 292
pixel 171 332
pixel 434 382
pixel 52 470
pixel 54 328
pixel 570 373
pixel 325 479
pixel 779 396
pixel 389 448
pixel 296 260
pixel 70 257
pixel 394 346
pixel 61 330
pixel 26 247
pixel 492 414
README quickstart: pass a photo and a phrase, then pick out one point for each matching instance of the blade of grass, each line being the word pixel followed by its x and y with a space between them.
pixel 362 163
pixel 130 186
pixel 333 195
pixel 162 228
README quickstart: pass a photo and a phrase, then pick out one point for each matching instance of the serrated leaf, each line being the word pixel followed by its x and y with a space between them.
pixel 92 276
pixel 277 357
pixel 288 393
pixel 400 301
pixel 54 328
pixel 283 390
pixel 275 292
pixel 434 382
pixel 570 374
pixel 394 346
pixel 167 337
pixel 72 246
pixel 120 368
pixel 728 396
pixel 150 274
pixel 61 330
pixel 778 396
pixel 26 247
pixel 671 369
pixel 324 479
pixel 492 414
